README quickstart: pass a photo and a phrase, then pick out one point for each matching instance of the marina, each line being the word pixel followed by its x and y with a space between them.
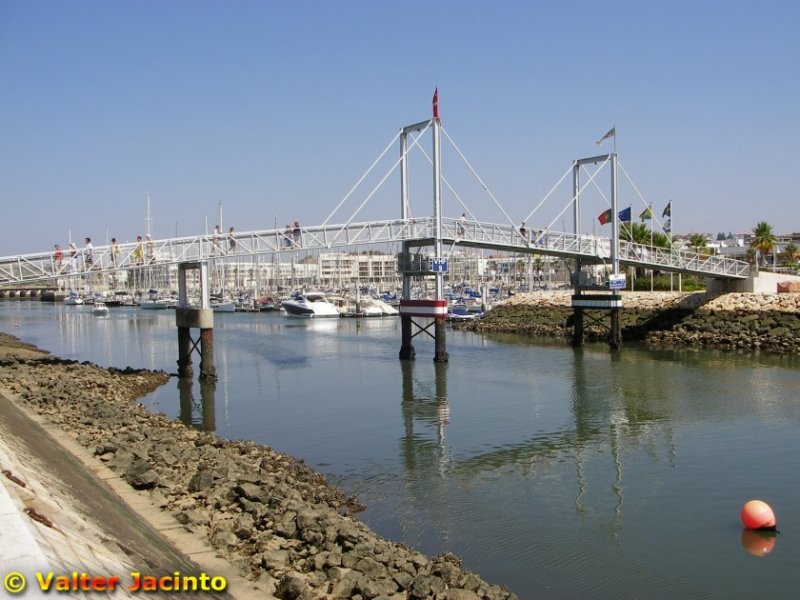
pixel 558 472
pixel 393 301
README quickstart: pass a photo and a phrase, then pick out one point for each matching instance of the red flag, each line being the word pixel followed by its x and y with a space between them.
pixel 436 103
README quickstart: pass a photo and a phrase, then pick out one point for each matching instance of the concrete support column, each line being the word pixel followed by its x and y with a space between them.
pixel 577 322
pixel 407 351
pixel 185 370
pixel 440 342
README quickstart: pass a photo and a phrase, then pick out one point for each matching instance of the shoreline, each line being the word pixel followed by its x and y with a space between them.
pixel 278 523
pixel 733 321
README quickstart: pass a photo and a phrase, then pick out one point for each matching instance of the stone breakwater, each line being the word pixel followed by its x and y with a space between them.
pixel 269 515
pixel 769 322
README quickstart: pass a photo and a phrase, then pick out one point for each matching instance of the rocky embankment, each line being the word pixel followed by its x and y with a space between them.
pixel 271 516
pixel 768 322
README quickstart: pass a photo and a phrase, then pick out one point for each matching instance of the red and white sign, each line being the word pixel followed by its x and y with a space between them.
pixel 435 309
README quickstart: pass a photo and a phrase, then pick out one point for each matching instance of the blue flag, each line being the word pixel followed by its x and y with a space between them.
pixel 625 214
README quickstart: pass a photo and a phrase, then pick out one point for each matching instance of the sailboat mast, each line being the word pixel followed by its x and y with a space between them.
pixel 148 219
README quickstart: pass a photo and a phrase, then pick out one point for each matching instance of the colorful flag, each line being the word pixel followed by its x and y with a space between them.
pixel 436 103
pixel 611 133
pixel 647 213
pixel 605 217
pixel 667 210
pixel 625 214
pixel 668 226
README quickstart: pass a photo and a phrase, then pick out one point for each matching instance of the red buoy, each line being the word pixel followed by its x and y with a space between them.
pixel 757 514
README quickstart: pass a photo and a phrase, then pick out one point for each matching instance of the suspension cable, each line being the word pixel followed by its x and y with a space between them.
pixel 372 166
pixel 485 187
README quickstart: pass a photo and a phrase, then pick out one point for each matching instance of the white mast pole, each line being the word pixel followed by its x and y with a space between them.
pixel 148 219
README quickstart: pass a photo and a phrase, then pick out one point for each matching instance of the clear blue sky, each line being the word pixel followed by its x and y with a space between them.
pixel 275 109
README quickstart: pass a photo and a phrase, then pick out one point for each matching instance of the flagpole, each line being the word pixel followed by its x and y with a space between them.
pixel 671 229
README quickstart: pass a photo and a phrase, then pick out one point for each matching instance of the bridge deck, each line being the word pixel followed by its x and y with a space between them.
pixel 42 267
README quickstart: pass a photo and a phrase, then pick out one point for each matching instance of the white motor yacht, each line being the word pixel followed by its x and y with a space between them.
pixel 73 300
pixel 310 305
pixel 100 309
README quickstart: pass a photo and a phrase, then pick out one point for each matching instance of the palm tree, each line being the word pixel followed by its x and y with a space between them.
pixel 698 242
pixel 763 239
pixel 641 234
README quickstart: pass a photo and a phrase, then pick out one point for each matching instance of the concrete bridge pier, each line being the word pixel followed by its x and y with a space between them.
pixel 201 318
pixel 584 305
pixel 185 370
pixel 207 368
pixel 407 351
pixel 440 341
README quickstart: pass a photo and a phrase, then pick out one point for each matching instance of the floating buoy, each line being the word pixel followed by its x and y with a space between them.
pixel 757 514
pixel 758 543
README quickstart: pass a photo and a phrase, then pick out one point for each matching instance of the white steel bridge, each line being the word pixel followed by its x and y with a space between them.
pixel 431 238
pixel 43 269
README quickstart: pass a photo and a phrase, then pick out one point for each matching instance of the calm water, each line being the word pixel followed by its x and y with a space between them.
pixel 560 473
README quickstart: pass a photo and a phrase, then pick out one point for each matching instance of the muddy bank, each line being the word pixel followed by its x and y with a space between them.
pixel 769 322
pixel 279 522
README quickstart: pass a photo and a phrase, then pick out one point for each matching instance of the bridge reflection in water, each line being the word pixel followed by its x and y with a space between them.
pixel 200 414
pixel 608 414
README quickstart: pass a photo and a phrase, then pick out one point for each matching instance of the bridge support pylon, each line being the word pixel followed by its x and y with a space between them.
pixel 435 266
pixel 407 351
pixel 585 306
pixel 201 318
pixel 427 309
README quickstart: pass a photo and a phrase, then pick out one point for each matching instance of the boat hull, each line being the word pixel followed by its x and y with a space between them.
pixel 312 306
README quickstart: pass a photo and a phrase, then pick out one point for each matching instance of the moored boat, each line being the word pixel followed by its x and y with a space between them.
pixel 158 303
pixel 220 306
pixel 310 305
pixel 73 299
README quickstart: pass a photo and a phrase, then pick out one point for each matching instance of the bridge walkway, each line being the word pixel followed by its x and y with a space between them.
pixel 43 267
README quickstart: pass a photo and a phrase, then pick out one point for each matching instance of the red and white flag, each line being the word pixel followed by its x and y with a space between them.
pixel 436 103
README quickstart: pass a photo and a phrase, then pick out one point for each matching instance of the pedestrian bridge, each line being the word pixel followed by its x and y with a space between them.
pixel 43 268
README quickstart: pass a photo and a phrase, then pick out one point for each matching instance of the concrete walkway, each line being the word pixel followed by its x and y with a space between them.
pixel 75 515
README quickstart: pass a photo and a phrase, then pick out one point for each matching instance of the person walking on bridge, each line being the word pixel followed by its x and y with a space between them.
pixel 58 258
pixel 88 254
pixel 150 248
pixel 114 252
pixel 297 235
pixel 138 251
pixel 231 241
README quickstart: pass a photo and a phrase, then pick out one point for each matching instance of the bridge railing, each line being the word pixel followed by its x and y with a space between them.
pixel 503 237
pixel 683 260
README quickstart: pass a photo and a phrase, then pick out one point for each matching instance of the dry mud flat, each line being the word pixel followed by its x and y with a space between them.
pixel 277 521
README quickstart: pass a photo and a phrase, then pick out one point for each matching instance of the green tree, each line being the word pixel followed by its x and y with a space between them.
pixel 763 240
pixel 791 254
pixel 698 242
pixel 751 256
pixel 641 234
